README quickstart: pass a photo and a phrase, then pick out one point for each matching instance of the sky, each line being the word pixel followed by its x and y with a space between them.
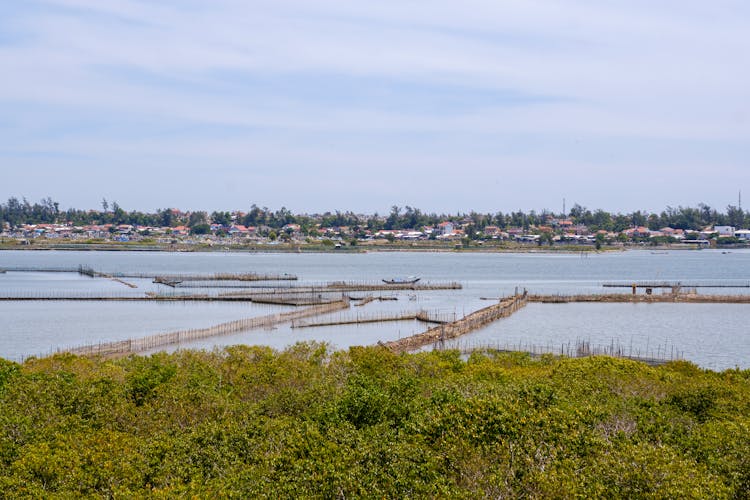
pixel 318 105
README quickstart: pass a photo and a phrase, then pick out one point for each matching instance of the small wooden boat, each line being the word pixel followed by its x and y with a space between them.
pixel 409 280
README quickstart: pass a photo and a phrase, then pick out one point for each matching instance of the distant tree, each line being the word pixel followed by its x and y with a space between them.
pixel 735 217
pixel 602 220
pixel 412 218
pixel 255 216
pixel 709 216
pixel 165 217
pixel 599 241
pixel 118 214
pixel 545 237
pixel 223 218
pixel 638 218
pixel 576 211
pixel 197 219
pixel 393 220
pixel 654 222
pixel 201 228
pixel 518 219
pixel 500 220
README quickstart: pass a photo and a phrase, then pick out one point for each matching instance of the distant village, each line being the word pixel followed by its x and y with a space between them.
pixel 231 228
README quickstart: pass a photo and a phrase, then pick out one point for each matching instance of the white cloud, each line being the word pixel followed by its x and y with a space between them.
pixel 586 73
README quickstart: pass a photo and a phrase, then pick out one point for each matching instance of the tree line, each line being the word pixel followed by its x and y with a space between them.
pixel 17 212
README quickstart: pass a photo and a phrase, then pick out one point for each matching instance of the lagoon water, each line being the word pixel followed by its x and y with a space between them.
pixel 714 336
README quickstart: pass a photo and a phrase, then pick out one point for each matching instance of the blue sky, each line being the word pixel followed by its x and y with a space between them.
pixel 335 105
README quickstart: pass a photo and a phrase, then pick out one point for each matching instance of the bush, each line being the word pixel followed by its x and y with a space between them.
pixel 308 422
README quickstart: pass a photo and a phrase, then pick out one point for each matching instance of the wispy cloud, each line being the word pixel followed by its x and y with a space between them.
pixel 590 97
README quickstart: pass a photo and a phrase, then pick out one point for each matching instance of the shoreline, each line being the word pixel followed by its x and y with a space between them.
pixel 367 248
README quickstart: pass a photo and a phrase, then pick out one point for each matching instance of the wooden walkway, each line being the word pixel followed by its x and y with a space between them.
pixel 339 286
pixel 676 284
pixel 649 299
pixel 346 286
pixel 508 306
pixel 354 286
pixel 465 325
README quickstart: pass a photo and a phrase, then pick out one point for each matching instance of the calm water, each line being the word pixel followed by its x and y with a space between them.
pixel 714 336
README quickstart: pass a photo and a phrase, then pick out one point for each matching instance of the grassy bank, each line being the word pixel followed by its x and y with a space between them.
pixel 249 422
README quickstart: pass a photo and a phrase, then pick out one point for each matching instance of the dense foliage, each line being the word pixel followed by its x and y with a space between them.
pixel 16 212
pixel 251 422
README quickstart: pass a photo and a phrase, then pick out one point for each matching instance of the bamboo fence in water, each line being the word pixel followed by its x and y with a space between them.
pixel 129 346
pixel 425 316
pixel 465 325
pixel 581 348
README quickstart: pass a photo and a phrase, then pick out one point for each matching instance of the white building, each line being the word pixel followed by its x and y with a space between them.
pixel 724 230
pixel 743 234
pixel 446 227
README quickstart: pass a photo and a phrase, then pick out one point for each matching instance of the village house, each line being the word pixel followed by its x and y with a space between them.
pixel 638 232
pixel 724 231
pixel 293 229
pixel 446 228
pixel 561 223
pixel 707 233
pixel 384 233
pixel 329 232
pixel 677 234
pixel 96 231
pixel 580 229
pixel 527 238
pixel 238 230
pixel 158 230
pixel 412 235
pixel 492 231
